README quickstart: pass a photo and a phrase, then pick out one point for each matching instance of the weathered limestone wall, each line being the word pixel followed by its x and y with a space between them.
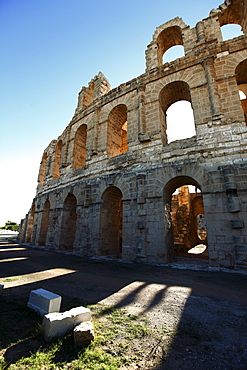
pixel 114 154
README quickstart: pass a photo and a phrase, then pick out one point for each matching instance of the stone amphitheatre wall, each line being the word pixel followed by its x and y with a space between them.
pixel 105 185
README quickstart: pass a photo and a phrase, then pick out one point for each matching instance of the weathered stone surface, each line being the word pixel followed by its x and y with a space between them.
pixel 42 301
pixel 83 334
pixel 58 324
pixel 105 184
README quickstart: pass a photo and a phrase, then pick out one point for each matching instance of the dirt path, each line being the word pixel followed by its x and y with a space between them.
pixel 203 314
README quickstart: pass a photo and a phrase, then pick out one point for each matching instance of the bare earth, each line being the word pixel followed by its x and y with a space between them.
pixel 202 314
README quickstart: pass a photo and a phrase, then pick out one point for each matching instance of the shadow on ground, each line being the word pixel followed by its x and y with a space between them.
pixel 201 315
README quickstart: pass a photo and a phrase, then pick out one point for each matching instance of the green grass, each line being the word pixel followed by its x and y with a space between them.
pixel 115 334
pixel 8 280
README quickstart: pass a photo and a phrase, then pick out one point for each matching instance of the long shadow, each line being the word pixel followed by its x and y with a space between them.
pixel 205 337
pixel 211 335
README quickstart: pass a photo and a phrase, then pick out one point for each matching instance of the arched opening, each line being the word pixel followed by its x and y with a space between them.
pixel 173 53
pixel 57 160
pixel 42 170
pixel 111 213
pixel 68 227
pixel 185 225
pixel 44 223
pixel 117 140
pixel 30 225
pixel 79 153
pixel 168 38
pixel 180 121
pixel 177 119
pixel 233 13
pixel 241 78
pixel 229 31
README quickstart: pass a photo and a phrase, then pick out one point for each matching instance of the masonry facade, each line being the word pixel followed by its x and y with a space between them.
pixel 105 185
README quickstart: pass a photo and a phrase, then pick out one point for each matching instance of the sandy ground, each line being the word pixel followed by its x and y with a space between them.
pixel 203 314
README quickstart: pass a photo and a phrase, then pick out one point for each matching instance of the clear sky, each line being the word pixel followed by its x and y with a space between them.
pixel 49 50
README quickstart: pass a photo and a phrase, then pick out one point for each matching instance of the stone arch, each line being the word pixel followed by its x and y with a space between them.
pixel 169 189
pixel 170 94
pixel 169 37
pixel 68 226
pixel 117 138
pixel 241 78
pixel 79 152
pixel 111 213
pixel 44 223
pixel 30 225
pixel 172 33
pixel 42 170
pixel 233 12
pixel 57 160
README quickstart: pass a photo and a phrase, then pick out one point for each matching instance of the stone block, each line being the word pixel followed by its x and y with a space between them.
pixel 57 324
pixel 83 334
pixel 237 224
pixel 128 253
pixel 43 302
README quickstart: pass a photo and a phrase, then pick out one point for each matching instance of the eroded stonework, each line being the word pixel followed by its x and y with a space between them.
pixel 105 185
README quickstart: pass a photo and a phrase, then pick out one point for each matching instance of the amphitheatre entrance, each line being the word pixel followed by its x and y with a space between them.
pixel 186 234
pixel 111 222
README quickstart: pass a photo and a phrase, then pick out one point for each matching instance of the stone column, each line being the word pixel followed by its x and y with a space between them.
pixel 200 32
pixel 208 65
pixel 142 115
pixel 95 134
pixel 140 179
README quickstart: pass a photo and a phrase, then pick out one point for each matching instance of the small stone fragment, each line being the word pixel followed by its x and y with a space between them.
pixel 83 334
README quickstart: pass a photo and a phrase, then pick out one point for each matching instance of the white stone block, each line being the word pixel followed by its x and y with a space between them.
pixel 43 302
pixel 58 324
pixel 83 334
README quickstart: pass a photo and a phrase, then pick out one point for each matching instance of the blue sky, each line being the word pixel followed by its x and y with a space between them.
pixel 49 50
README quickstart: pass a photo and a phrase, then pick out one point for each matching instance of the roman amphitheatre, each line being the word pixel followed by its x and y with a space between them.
pixel 113 184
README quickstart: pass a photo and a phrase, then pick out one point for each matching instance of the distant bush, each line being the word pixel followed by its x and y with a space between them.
pixel 10 225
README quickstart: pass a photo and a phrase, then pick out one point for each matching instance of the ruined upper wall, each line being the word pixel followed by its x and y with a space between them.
pixel 97 87
pixel 232 12
pixel 176 32
pixel 129 122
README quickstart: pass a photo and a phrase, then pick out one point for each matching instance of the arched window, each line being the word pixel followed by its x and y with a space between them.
pixel 177 118
pixel 111 222
pixel 42 170
pixel 173 53
pixel 69 218
pixel 79 153
pixel 169 37
pixel 241 78
pixel 229 31
pixel 233 13
pixel 57 160
pixel 117 142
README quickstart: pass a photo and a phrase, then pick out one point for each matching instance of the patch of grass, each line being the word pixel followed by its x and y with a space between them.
pixel 118 341
pixel 8 280
pixel 17 322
